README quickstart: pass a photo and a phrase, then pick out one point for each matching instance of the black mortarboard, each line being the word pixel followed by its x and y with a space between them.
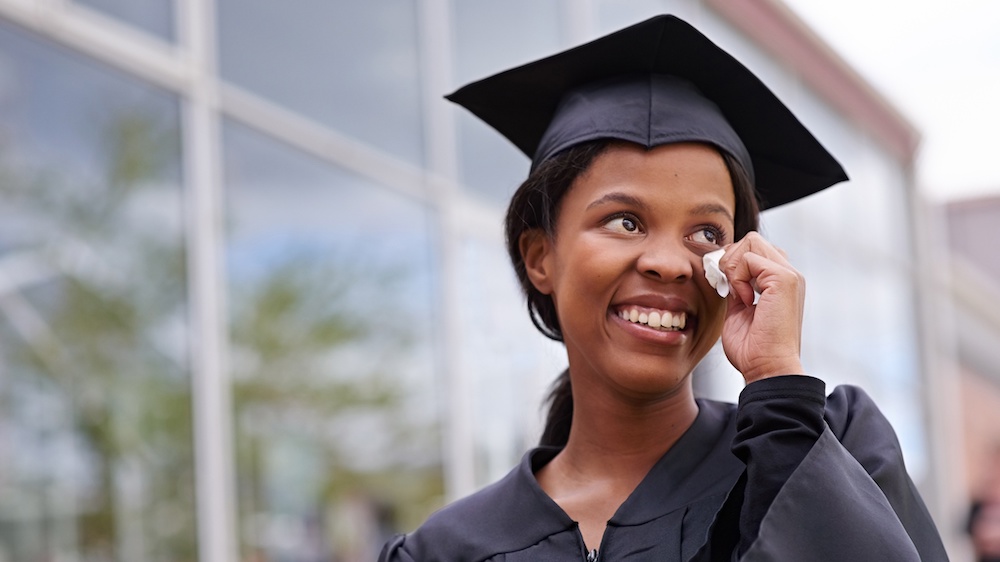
pixel 656 82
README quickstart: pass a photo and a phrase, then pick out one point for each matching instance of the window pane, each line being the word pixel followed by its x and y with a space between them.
pixel 152 16
pixel 509 366
pixel 352 66
pixel 332 323
pixel 491 166
pixel 95 405
pixel 616 14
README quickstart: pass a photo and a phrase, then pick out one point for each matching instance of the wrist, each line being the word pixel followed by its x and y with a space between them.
pixel 770 369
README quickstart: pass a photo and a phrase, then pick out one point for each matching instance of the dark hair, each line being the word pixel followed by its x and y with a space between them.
pixel 535 204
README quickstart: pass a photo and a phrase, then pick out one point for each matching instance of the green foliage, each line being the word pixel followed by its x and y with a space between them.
pixel 107 344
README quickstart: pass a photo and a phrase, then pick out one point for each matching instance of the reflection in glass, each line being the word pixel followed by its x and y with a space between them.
pixel 859 325
pixel 95 405
pixel 616 14
pixel 332 363
pixel 352 66
pixel 509 366
pixel 152 16
pixel 492 167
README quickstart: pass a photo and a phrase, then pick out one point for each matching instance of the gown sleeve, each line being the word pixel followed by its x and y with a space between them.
pixel 825 479
pixel 393 551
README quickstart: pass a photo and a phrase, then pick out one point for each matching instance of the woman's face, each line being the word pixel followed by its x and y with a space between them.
pixel 626 255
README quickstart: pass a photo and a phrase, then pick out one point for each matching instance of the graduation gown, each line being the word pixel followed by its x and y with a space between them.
pixel 787 474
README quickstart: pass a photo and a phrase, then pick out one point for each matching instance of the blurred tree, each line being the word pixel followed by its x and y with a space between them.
pixel 98 336
pixel 295 384
pixel 92 340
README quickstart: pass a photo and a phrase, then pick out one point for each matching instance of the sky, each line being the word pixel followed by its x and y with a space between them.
pixel 938 62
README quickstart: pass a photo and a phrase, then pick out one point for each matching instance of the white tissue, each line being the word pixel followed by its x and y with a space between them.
pixel 714 275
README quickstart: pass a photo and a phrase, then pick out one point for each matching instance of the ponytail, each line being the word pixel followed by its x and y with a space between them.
pixel 560 416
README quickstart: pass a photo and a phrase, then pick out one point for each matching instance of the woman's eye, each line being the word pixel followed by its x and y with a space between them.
pixel 623 223
pixel 708 235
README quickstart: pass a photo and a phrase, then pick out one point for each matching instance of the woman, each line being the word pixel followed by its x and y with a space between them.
pixel 652 150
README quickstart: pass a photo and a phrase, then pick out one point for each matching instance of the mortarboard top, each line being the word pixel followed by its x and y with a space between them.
pixel 657 82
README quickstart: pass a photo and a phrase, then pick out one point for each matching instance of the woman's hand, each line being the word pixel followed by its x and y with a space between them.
pixel 762 340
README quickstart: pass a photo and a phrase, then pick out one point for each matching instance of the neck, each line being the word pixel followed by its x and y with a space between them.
pixel 621 438
pixel 614 441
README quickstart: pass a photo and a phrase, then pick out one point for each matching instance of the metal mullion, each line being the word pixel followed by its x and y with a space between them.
pixel 212 401
pixel 940 401
pixel 439 136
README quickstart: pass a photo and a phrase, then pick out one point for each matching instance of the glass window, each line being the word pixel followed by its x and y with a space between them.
pixel 152 16
pixel 332 329
pixel 95 403
pixel 352 66
pixel 510 365
pixel 859 326
pixel 490 166
pixel 616 14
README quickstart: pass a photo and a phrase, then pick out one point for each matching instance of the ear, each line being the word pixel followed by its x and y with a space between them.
pixel 535 246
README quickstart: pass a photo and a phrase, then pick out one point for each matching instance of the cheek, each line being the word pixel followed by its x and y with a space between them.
pixel 586 265
pixel 585 279
pixel 714 316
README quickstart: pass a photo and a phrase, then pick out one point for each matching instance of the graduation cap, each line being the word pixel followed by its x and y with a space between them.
pixel 657 82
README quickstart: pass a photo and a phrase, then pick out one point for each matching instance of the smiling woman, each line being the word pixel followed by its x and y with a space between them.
pixel 651 148
pixel 630 236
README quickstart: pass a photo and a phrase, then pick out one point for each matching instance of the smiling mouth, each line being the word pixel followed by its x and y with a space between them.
pixel 662 320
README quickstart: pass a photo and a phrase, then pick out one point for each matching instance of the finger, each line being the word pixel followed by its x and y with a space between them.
pixel 741 277
pixel 775 260
pixel 754 272
pixel 754 242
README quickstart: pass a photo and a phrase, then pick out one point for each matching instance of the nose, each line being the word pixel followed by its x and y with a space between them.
pixel 666 260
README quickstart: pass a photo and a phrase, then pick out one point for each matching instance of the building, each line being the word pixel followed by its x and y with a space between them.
pixel 973 283
pixel 254 302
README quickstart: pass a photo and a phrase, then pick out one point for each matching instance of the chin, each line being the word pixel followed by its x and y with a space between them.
pixel 654 382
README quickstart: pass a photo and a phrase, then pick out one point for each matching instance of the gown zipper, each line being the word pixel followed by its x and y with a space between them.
pixel 593 555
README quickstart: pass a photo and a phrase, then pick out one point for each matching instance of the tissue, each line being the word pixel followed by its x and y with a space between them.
pixel 714 275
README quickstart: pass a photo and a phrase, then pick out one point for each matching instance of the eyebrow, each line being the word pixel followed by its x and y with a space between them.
pixel 713 208
pixel 619 197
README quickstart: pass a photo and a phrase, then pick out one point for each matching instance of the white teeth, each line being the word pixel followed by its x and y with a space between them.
pixel 654 319
pixel 664 320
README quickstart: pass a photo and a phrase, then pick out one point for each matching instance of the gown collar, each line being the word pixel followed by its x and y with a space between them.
pixel 698 464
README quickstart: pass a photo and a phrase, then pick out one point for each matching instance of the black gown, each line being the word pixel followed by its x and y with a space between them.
pixel 786 475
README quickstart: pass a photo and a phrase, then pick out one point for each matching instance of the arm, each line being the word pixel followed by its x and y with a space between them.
pixel 848 496
pixel 393 551
pixel 778 422
pixel 818 485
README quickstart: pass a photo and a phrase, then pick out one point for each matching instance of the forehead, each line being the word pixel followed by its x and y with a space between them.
pixel 671 173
